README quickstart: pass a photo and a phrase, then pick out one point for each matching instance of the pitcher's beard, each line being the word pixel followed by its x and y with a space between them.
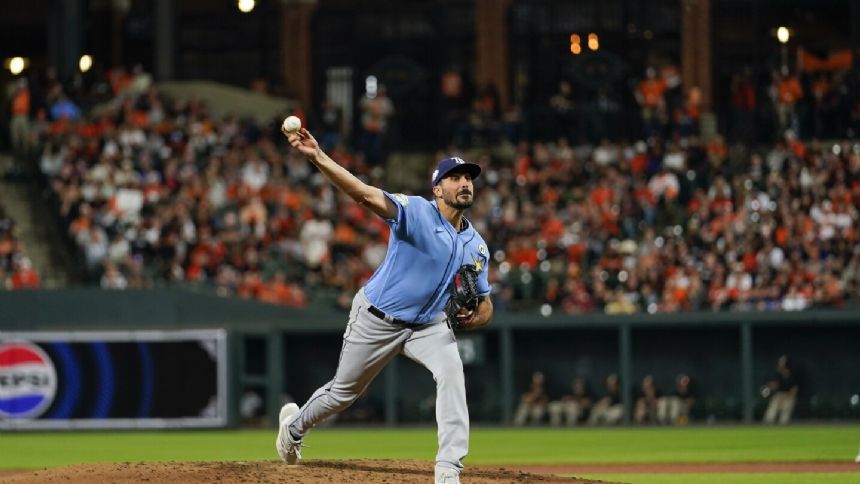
pixel 456 203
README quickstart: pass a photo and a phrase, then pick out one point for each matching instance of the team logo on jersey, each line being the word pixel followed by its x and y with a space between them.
pixel 479 264
pixel 403 199
pixel 482 249
pixel 28 380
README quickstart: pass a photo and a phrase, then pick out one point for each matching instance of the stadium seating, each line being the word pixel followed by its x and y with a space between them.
pixel 155 194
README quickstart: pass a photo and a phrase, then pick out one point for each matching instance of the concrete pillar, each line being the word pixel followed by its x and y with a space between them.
pixel 164 40
pixel 491 46
pixel 296 48
pixel 118 11
pixel 696 64
pixel 69 44
pixel 54 34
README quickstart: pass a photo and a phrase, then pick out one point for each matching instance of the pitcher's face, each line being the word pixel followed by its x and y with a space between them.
pixel 456 190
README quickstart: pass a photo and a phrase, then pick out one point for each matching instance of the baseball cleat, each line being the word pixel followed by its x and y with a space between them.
pixel 289 450
pixel 445 475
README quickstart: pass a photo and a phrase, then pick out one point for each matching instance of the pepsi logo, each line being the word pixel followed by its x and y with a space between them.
pixel 28 380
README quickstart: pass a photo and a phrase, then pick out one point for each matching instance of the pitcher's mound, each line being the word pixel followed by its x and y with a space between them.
pixel 327 472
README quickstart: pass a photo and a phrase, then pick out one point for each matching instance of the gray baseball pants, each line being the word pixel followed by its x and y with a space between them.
pixel 369 343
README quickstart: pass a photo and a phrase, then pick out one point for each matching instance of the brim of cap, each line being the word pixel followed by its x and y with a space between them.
pixel 473 169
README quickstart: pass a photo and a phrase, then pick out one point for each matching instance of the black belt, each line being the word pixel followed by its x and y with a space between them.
pixel 389 319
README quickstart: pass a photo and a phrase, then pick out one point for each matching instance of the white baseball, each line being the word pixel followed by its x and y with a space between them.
pixel 292 124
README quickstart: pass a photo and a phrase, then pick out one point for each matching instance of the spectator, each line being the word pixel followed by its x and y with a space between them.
pixel 782 391
pixel 608 410
pixel 675 407
pixel 52 159
pixel 137 278
pixel 16 269
pixel 112 278
pixel 24 276
pixel 255 174
pixel 376 108
pixel 788 93
pixel 620 304
pixel 94 243
pixel 645 410
pixel 315 236
pixel 743 102
pixel 330 122
pixel 533 402
pixel 6 223
pixel 649 95
pixel 563 111
pixel 571 407
pixel 605 112
pixel 20 123
pixel 64 109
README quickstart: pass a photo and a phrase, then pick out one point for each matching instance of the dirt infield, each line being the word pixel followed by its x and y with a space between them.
pixel 386 471
pixel 328 472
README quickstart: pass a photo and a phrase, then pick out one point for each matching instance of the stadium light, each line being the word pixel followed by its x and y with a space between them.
pixel 575 44
pixel 782 34
pixel 593 42
pixel 86 63
pixel 245 6
pixel 371 86
pixel 16 65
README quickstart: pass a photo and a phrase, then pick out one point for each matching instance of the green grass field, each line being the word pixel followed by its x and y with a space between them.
pixel 774 478
pixel 509 447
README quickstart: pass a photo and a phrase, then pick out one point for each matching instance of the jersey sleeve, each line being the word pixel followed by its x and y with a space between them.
pixel 484 281
pixel 408 216
pixel 483 258
pixel 398 201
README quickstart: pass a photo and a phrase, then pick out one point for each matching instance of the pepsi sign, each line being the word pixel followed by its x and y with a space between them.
pixel 113 379
pixel 28 380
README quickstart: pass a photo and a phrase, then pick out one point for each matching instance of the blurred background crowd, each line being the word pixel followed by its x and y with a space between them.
pixel 611 184
pixel 154 190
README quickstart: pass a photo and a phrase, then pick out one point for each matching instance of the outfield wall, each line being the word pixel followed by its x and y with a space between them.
pixel 278 350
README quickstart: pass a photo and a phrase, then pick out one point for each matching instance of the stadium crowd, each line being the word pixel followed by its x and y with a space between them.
pixel 16 270
pixel 155 192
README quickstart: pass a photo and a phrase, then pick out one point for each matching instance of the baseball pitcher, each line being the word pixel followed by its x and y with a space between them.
pixel 433 280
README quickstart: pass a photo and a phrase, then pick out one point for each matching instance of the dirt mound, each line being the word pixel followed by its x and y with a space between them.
pixel 328 472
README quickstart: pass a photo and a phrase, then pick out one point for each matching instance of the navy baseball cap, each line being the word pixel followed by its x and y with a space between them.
pixel 449 164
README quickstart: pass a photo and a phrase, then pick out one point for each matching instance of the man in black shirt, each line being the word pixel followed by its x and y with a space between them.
pixel 675 407
pixel 645 410
pixel 783 390
pixel 533 402
pixel 608 410
pixel 570 407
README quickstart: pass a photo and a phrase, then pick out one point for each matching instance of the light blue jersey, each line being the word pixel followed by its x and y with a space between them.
pixel 424 253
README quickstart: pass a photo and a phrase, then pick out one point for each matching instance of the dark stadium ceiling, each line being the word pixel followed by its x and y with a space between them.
pixel 818 25
pixel 24 29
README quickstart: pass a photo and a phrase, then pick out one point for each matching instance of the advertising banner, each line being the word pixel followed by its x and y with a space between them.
pixel 113 379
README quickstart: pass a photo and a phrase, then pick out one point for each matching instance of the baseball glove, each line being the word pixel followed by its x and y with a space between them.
pixel 464 295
